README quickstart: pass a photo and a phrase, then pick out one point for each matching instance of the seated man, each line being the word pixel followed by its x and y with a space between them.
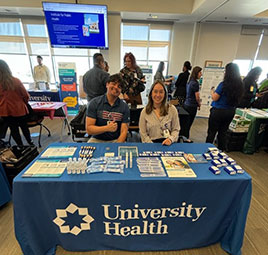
pixel 107 115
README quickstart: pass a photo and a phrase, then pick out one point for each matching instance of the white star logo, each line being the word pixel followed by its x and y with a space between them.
pixel 72 208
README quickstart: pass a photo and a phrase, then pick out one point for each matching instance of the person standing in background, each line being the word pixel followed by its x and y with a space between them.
pixel 106 66
pixel 94 80
pixel 225 99
pixel 192 102
pixel 133 80
pixel 13 108
pixel 250 87
pixel 181 82
pixel 159 74
pixel 41 73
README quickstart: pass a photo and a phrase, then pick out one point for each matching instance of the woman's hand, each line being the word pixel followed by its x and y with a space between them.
pixel 167 142
pixel 125 96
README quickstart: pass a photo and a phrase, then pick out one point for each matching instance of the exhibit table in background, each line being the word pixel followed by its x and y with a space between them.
pixel 5 195
pixel 45 96
pixel 255 136
pixel 53 110
pixel 112 211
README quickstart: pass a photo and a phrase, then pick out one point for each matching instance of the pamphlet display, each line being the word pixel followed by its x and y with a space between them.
pixel 68 86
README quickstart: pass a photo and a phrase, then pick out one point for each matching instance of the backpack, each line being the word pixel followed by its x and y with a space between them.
pixel 80 119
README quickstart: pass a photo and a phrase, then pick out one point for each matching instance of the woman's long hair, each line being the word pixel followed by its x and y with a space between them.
pixel 161 67
pixel 254 73
pixel 164 105
pixel 232 84
pixel 132 58
pixel 5 76
pixel 194 73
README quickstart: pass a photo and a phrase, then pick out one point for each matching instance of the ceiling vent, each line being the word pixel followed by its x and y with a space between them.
pixel 222 21
pixel 163 19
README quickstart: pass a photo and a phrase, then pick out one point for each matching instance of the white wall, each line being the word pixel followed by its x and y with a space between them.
pixel 217 42
pixel 113 54
pixel 180 46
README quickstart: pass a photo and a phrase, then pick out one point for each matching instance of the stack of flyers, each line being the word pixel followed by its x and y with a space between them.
pixel 194 158
pixel 106 164
pixel 160 153
pixel 150 167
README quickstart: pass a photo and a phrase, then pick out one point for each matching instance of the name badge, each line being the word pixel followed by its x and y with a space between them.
pixel 166 133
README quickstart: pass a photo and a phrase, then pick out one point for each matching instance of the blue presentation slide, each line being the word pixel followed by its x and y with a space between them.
pixel 69 29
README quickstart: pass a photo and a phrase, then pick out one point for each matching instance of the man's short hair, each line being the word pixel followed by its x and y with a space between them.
pixel 98 58
pixel 116 78
pixel 39 57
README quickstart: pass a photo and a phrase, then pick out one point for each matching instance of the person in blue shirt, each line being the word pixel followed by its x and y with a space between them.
pixel 225 99
pixel 107 115
pixel 192 102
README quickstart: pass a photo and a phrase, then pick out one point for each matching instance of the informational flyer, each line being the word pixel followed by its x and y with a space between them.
pixel 177 167
pixel 194 158
pixel 46 168
pixel 59 152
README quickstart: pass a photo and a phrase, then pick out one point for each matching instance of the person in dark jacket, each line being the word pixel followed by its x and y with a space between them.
pixel 181 82
pixel 225 99
pixel 250 87
pixel 94 80
pixel 192 102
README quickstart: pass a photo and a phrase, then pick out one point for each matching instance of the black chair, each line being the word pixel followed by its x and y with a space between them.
pixel 33 121
pixel 37 121
pixel 134 119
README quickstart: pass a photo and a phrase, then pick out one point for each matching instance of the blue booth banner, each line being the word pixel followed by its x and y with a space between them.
pixel 45 96
pixel 68 85
pixel 112 211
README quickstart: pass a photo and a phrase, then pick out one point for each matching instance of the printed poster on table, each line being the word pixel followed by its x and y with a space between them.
pixel 68 86
pixel 177 167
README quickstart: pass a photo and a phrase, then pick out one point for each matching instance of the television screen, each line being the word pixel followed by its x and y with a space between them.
pixel 76 25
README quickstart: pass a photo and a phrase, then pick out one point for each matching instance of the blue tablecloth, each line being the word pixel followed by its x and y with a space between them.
pixel 5 195
pixel 127 212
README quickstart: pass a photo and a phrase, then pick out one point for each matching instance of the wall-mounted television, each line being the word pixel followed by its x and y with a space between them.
pixel 76 25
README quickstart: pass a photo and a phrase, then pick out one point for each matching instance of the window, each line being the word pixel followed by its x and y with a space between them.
pixel 19 66
pixel 10 27
pixel 148 42
pixel 36 30
pixel 81 63
pixel 135 32
pixel 244 66
pixel 21 40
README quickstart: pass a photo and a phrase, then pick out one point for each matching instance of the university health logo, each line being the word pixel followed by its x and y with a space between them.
pixel 71 209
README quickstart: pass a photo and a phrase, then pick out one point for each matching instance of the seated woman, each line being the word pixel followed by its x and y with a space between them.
pixel 159 121
pixel 13 108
